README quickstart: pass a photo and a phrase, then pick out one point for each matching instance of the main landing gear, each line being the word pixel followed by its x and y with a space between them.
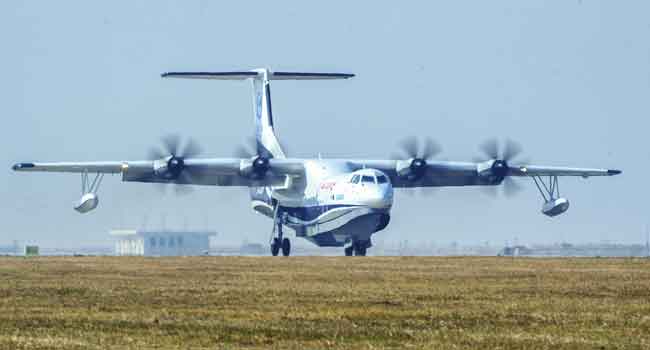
pixel 280 243
pixel 358 248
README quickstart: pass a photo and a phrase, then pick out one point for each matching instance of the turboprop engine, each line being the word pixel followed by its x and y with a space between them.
pixel 412 163
pixel 256 168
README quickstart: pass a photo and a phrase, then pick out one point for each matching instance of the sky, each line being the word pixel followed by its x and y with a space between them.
pixel 569 80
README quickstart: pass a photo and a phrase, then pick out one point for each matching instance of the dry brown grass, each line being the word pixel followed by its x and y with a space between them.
pixel 324 302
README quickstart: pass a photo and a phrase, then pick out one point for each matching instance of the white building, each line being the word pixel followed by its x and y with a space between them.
pixel 161 243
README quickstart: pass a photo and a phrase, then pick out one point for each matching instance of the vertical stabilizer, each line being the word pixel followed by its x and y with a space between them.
pixel 267 143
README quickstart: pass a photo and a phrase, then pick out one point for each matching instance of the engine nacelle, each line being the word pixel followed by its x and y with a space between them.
pixel 403 168
pixel 88 202
pixel 412 169
pixel 255 169
pixel 555 207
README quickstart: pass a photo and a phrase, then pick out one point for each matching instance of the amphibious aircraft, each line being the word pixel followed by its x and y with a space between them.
pixel 330 202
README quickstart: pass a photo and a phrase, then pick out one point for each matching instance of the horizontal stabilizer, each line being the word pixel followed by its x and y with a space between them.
pixel 308 76
pixel 241 75
pixel 210 75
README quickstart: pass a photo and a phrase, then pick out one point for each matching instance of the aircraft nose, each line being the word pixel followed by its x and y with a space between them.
pixel 380 197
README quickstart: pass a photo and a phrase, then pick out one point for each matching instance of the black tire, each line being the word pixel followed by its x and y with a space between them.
pixel 275 247
pixel 359 248
pixel 362 251
pixel 286 247
pixel 348 251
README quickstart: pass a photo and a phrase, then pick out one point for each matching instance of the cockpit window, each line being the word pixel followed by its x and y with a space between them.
pixel 355 179
pixel 382 179
pixel 368 179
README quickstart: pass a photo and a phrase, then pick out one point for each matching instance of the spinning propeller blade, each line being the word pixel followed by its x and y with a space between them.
pixel 177 172
pixel 418 153
pixel 411 148
pixel 491 148
pixel 511 150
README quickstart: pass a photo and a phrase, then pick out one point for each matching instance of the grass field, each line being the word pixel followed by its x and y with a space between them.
pixel 324 302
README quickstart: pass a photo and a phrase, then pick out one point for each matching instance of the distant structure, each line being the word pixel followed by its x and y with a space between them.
pixel 647 242
pixel 16 249
pixel 252 249
pixel 515 251
pixel 32 250
pixel 161 243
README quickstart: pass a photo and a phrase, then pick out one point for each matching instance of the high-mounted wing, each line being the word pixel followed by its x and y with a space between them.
pixel 419 173
pixel 72 167
pixel 194 171
pixel 412 173
pixel 415 166
pixel 537 170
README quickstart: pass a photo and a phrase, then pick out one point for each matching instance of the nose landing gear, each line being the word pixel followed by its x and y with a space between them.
pixel 275 246
pixel 286 247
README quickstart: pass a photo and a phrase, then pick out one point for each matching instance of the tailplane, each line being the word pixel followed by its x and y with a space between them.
pixel 267 142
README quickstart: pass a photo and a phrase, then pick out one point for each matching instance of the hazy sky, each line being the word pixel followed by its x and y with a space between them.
pixel 570 80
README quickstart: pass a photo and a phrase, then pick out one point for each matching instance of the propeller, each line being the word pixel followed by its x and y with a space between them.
pixel 176 171
pixel 412 149
pixel 417 153
pixel 502 157
pixel 260 164
pixel 511 149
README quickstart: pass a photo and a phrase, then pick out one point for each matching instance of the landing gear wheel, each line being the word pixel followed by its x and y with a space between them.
pixel 348 251
pixel 286 247
pixel 275 247
pixel 359 248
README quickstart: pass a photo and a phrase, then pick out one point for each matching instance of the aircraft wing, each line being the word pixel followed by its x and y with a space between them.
pixel 239 171
pixel 194 171
pixel 539 170
pixel 446 173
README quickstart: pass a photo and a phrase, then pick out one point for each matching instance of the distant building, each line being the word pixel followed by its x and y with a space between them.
pixel 161 243
pixel 20 249
pixel 515 251
pixel 31 250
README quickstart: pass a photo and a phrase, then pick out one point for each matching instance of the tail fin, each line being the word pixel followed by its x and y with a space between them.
pixel 267 143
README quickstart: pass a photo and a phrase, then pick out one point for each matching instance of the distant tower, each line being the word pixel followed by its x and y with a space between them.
pixel 647 241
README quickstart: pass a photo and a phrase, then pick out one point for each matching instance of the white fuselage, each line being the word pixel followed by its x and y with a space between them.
pixel 333 205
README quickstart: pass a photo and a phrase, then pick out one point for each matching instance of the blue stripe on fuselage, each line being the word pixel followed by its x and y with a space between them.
pixel 311 213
